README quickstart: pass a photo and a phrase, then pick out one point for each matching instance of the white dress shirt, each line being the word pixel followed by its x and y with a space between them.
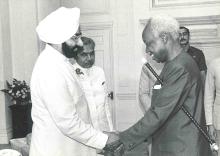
pixel 93 83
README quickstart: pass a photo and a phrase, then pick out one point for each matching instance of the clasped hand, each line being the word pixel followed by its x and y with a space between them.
pixel 113 147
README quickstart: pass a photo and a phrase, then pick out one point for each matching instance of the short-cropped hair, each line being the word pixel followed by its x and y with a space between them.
pixel 164 24
pixel 88 41
pixel 187 30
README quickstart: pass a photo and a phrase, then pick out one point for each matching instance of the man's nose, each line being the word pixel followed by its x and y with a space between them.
pixel 146 50
pixel 79 42
pixel 181 35
pixel 89 56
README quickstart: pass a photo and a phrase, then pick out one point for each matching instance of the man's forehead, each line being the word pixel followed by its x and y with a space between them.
pixel 87 49
pixel 182 30
pixel 147 35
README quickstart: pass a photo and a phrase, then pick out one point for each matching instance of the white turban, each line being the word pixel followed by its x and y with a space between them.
pixel 59 26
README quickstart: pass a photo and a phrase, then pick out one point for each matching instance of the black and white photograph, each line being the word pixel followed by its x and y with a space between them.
pixel 110 78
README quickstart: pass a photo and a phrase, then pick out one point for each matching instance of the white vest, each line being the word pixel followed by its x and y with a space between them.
pixel 93 84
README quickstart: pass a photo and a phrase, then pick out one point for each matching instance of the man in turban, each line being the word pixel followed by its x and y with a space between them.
pixel 61 120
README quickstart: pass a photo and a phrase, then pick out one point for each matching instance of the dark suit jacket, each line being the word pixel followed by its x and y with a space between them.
pixel 172 132
pixel 199 57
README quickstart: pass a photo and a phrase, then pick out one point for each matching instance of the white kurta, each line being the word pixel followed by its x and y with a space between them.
pixel 212 94
pixel 62 123
pixel 93 83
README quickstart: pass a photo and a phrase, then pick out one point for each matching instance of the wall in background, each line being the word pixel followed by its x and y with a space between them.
pixel 117 26
pixel 5 71
pixel 22 17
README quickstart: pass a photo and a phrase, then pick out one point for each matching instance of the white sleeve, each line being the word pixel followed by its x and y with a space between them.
pixel 145 89
pixel 107 107
pixel 209 97
pixel 108 115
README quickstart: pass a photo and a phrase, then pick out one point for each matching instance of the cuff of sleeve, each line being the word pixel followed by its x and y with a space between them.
pixel 208 122
pixel 101 140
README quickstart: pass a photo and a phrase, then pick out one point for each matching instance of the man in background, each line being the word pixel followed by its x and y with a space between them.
pixel 61 120
pixel 212 100
pixel 146 83
pixel 196 54
pixel 93 83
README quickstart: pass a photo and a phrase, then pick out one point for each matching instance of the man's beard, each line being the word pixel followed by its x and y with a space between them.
pixel 70 51
pixel 161 56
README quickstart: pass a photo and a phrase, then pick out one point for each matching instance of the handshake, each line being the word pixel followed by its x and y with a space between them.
pixel 114 146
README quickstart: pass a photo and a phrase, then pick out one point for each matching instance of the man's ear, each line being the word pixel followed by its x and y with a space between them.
pixel 164 37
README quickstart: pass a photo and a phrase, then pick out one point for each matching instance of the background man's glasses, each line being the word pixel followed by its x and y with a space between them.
pixel 77 36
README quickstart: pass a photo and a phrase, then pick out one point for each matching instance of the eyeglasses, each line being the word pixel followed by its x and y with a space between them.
pixel 77 36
